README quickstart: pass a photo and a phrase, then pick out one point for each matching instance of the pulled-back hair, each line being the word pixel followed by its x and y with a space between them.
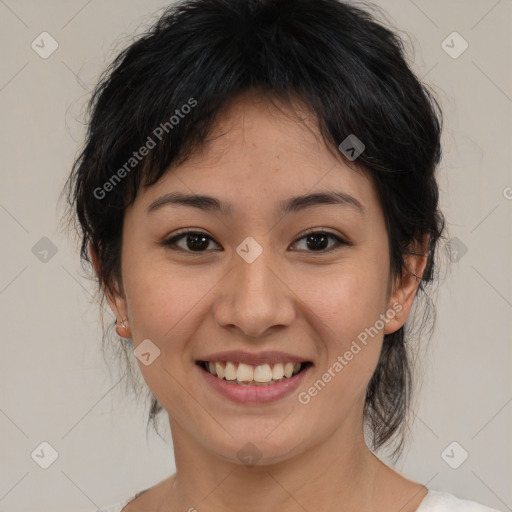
pixel 348 69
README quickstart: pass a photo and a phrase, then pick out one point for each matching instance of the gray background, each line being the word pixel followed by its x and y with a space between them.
pixel 55 385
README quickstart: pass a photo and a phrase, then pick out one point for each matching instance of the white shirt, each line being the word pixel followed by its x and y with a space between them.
pixel 434 501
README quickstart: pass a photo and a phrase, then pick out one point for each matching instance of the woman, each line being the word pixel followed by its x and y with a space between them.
pixel 257 196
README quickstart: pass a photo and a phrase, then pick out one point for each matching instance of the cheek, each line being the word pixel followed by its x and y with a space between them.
pixel 345 303
pixel 164 306
pixel 345 297
pixel 161 297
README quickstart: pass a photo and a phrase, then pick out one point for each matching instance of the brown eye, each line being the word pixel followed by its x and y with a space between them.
pixel 194 241
pixel 318 241
pixel 198 242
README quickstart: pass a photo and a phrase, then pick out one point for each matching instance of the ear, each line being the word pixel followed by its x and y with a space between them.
pixel 115 300
pixel 406 286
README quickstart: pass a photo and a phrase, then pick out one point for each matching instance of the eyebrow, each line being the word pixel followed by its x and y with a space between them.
pixel 293 204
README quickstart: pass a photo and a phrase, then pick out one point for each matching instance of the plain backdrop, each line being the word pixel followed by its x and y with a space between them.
pixel 56 387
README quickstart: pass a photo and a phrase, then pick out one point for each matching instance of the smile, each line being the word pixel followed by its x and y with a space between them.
pixel 252 375
pixel 239 381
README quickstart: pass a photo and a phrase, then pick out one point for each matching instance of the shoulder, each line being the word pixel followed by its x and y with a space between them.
pixel 142 500
pixel 120 505
pixel 440 501
pixel 115 507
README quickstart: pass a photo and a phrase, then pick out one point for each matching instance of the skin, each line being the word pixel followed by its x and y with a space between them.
pixel 308 302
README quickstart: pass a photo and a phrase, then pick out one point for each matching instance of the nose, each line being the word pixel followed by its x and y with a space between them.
pixel 255 298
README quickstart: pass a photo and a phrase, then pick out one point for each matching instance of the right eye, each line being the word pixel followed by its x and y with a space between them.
pixel 196 241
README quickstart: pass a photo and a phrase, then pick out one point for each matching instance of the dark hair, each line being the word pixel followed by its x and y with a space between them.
pixel 347 68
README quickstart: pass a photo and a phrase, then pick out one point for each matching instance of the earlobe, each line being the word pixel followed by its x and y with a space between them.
pixel 406 287
pixel 122 329
pixel 115 301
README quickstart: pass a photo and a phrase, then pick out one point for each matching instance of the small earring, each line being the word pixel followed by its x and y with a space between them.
pixel 125 333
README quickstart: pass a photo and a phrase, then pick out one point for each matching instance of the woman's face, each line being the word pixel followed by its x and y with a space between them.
pixel 309 297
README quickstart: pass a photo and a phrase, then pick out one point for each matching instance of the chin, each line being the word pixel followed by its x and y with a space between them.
pixel 259 447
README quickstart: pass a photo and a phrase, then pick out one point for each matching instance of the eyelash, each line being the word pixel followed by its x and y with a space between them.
pixel 172 241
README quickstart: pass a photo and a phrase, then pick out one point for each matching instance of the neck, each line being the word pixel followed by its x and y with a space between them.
pixel 320 478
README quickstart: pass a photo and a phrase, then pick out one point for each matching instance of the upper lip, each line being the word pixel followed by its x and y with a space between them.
pixel 253 358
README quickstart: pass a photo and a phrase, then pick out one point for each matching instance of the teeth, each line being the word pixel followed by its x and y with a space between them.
pixel 263 374
pixel 244 372
pixel 230 371
pixel 278 371
pixel 219 370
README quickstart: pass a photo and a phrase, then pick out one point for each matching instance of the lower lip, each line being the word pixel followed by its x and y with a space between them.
pixel 254 394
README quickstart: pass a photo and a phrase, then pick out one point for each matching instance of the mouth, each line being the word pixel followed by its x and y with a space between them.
pixel 266 374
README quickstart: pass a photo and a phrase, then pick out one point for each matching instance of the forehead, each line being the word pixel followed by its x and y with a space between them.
pixel 259 152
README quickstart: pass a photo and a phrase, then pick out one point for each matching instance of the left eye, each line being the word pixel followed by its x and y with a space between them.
pixel 198 241
pixel 317 240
